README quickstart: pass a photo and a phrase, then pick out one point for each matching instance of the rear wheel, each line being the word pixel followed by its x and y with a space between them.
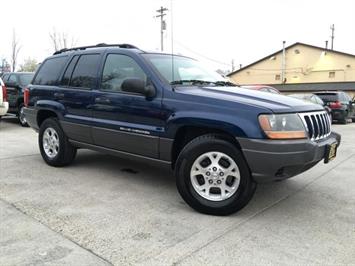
pixel 21 116
pixel 54 145
pixel 213 177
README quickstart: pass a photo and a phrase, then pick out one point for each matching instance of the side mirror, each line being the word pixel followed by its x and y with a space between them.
pixel 136 85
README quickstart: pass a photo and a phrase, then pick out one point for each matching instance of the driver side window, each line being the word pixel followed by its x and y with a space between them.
pixel 118 68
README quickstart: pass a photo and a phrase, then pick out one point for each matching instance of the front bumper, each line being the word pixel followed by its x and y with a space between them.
pixel 339 114
pixel 271 160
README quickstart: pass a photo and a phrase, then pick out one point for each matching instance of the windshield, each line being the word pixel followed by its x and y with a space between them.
pixel 186 70
pixel 328 97
pixel 25 79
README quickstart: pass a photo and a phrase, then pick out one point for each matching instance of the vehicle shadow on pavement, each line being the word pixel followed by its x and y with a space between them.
pixel 156 177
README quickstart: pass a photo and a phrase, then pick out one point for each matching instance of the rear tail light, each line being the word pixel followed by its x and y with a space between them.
pixel 26 96
pixel 336 104
pixel 4 93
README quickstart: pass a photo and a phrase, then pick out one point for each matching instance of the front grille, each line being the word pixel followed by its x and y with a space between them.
pixel 318 124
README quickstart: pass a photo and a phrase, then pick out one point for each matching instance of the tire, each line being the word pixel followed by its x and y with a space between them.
pixel 189 185
pixel 21 116
pixel 54 145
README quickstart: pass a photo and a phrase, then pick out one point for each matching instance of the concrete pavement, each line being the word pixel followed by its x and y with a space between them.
pixel 105 210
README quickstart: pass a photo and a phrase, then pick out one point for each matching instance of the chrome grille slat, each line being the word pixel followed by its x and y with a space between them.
pixel 317 124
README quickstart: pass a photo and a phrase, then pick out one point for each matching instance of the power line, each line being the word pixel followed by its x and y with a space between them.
pixel 201 55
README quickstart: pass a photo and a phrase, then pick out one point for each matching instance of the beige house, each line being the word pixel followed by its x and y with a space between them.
pixel 301 68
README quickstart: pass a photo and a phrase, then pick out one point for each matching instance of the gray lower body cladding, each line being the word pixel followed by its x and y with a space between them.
pixel 271 160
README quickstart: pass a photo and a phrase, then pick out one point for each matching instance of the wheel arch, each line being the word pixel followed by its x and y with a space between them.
pixel 187 133
pixel 43 114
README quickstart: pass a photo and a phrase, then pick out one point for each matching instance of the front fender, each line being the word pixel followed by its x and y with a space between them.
pixel 242 127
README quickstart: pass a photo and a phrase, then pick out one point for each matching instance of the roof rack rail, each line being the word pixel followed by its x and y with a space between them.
pixel 123 45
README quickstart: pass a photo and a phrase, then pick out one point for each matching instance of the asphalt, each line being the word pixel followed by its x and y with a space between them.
pixel 103 210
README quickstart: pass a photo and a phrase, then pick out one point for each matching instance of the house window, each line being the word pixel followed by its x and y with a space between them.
pixel 277 77
pixel 332 74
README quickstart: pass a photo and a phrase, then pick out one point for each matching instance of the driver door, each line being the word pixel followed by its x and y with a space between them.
pixel 125 121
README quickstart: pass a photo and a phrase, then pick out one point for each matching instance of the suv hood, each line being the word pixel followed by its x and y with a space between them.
pixel 274 102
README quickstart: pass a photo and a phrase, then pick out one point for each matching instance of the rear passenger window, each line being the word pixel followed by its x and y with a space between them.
pixel 49 72
pixel 69 71
pixel 118 68
pixel 84 75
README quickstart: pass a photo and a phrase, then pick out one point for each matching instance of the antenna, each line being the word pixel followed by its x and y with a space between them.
pixel 172 41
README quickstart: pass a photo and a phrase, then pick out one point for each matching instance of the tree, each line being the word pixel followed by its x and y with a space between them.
pixel 61 40
pixel 29 65
pixel 15 49
pixel 5 66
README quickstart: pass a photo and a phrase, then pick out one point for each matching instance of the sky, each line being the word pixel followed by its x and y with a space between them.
pixel 215 32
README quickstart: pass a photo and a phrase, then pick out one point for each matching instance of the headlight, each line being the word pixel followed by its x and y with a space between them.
pixel 283 126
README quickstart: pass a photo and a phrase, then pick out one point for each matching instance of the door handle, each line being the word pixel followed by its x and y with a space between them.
pixel 58 95
pixel 102 100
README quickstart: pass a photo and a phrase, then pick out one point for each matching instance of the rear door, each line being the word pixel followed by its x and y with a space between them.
pixel 126 121
pixel 75 93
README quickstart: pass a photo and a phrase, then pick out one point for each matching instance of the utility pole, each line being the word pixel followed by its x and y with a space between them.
pixel 283 63
pixel 162 24
pixel 233 65
pixel 332 28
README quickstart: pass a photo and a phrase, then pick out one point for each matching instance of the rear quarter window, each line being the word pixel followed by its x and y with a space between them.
pixel 50 70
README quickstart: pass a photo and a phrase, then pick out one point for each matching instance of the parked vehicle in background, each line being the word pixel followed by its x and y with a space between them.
pixel 263 88
pixel 341 104
pixel 15 83
pixel 310 97
pixel 4 105
pixel 219 139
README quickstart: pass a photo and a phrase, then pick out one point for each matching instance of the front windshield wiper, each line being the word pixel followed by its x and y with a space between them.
pixel 202 82
pixel 192 81
pixel 224 83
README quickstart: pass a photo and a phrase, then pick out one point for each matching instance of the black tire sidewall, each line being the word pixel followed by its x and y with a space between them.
pixel 19 114
pixel 59 159
pixel 185 161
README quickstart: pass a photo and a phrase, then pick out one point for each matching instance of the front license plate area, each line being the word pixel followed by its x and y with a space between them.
pixel 330 152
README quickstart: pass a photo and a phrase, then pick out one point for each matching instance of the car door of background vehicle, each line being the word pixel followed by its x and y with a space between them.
pixel 125 121
pixel 75 93
pixel 13 90
pixel 348 101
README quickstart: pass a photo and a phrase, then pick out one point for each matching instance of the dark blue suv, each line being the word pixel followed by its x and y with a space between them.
pixel 219 139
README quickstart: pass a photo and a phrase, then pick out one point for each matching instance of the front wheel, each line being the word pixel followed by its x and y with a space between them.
pixel 213 177
pixel 54 145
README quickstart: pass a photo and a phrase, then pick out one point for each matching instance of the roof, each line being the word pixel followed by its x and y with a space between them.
pixel 320 86
pixel 288 47
pixel 17 73
pixel 100 45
